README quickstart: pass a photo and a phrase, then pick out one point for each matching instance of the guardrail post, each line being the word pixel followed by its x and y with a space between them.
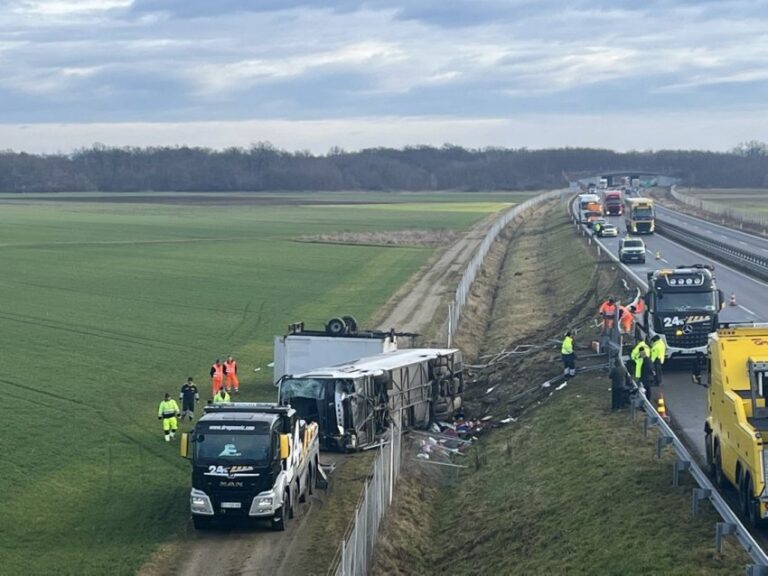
pixel 722 529
pixel 699 494
pixel 679 465
pixel 662 441
pixel 649 421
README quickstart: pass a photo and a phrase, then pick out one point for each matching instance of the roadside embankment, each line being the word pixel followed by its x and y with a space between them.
pixel 568 486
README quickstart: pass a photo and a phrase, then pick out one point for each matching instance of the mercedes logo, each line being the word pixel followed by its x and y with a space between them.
pixel 687 329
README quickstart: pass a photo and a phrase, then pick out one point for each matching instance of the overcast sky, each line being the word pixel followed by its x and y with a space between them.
pixel 620 74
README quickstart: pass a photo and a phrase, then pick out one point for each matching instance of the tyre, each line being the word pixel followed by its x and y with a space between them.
pixel 351 324
pixel 202 522
pixel 709 454
pixel 753 506
pixel 280 518
pixel 336 327
pixel 744 495
pixel 719 475
pixel 292 501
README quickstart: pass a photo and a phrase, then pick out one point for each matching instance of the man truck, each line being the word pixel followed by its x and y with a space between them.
pixel 251 461
pixel 681 306
pixel 738 415
pixel 356 402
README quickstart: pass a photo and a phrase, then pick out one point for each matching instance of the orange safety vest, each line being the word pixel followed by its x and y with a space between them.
pixel 218 370
pixel 639 305
pixel 607 313
pixel 625 319
pixel 231 367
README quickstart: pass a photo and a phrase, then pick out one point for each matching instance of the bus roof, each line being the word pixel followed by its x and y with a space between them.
pixel 377 363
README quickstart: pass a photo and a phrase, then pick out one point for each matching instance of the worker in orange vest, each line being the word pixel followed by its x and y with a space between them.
pixel 626 318
pixel 607 312
pixel 217 376
pixel 230 369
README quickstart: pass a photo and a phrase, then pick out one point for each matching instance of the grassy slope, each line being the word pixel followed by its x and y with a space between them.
pixel 104 307
pixel 536 507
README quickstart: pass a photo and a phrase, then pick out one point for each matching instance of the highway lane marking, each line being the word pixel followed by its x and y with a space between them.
pixel 747 310
pixel 662 259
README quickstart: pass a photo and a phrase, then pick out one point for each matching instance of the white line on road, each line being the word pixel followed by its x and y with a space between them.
pixel 747 310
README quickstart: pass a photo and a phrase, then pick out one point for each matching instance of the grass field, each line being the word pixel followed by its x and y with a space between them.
pixel 105 306
pixel 750 199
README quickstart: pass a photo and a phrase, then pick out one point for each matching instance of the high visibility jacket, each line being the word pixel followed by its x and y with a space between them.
pixel 625 319
pixel 635 354
pixel 222 396
pixel 567 347
pixel 231 367
pixel 217 371
pixel 639 305
pixel 639 366
pixel 168 408
pixel 607 310
pixel 658 351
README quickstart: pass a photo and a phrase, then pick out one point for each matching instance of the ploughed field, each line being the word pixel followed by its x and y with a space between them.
pixel 106 305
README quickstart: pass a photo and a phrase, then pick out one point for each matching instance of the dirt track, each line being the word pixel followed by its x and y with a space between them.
pixel 258 550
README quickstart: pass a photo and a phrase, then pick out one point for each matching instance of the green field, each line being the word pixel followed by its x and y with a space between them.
pixel 105 306
pixel 747 199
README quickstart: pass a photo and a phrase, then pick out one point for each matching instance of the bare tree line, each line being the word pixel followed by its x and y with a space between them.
pixel 263 167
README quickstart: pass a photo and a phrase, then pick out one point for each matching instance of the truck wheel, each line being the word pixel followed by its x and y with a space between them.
pixel 709 455
pixel 281 516
pixel 202 522
pixel 336 327
pixel 753 507
pixel 291 501
pixel 311 480
pixel 719 476
pixel 744 495
pixel 351 324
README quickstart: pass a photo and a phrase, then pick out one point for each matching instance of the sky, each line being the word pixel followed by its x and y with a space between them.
pixel 309 75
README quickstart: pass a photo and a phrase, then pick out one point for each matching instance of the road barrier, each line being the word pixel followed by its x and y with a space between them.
pixel 731 524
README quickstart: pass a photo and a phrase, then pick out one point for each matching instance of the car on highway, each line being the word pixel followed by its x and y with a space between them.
pixel 608 230
pixel 632 249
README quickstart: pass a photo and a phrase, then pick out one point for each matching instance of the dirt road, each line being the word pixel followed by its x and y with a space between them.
pixel 258 550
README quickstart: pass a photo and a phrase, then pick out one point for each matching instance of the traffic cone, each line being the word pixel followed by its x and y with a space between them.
pixel 658 254
pixel 733 299
pixel 661 407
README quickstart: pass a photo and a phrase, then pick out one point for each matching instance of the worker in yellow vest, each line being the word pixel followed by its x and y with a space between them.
pixel 568 356
pixel 658 355
pixel 222 396
pixel 168 412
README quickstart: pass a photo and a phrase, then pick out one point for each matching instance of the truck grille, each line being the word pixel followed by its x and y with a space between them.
pixel 697 337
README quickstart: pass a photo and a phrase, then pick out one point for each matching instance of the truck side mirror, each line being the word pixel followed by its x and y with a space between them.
pixel 721 299
pixel 184 447
pixel 285 446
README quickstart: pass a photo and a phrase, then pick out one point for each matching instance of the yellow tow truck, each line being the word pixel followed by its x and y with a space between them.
pixel 737 420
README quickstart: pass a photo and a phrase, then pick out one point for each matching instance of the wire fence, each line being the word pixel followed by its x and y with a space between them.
pixel 722 210
pixel 356 551
pixel 355 554
pixel 470 273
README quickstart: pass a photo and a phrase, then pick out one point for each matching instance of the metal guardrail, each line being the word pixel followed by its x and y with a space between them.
pixel 736 257
pixel 720 209
pixel 731 524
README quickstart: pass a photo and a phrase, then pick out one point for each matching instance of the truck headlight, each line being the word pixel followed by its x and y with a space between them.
pixel 199 503
pixel 262 504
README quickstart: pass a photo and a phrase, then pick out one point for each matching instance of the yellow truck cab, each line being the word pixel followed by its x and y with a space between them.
pixel 737 420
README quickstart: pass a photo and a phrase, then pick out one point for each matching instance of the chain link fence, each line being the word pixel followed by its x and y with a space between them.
pixel 722 210
pixel 470 273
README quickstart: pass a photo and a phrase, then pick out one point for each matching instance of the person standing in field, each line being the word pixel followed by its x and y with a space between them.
pixel 188 396
pixel 217 376
pixel 230 369
pixel 168 411
pixel 568 356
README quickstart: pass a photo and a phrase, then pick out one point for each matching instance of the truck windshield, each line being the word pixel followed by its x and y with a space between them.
pixel 242 446
pixel 682 302
pixel 643 213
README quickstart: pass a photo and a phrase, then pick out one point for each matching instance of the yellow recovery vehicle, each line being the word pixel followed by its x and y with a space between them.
pixel 738 416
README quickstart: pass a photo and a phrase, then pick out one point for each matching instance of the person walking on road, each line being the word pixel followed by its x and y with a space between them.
pixel 188 396
pixel 222 396
pixel 568 356
pixel 658 355
pixel 230 369
pixel 217 376
pixel 168 411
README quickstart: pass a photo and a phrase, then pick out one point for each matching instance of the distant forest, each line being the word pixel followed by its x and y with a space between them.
pixel 263 167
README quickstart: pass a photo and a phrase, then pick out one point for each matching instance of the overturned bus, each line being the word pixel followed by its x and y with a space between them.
pixel 355 403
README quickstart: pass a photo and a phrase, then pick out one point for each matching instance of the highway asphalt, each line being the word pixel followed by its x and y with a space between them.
pixel 686 401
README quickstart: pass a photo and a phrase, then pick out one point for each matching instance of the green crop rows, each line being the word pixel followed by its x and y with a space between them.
pixel 105 306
